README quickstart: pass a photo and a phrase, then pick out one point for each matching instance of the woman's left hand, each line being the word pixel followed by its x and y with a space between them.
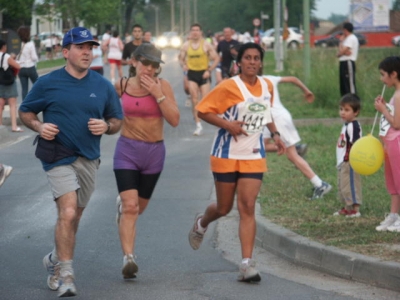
pixel 152 84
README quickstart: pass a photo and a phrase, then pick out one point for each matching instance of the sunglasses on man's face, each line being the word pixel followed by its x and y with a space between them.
pixel 146 63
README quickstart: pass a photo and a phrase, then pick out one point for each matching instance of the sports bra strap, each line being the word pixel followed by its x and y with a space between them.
pixel 126 83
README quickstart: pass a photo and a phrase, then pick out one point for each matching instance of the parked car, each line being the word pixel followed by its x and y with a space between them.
pixel 45 35
pixel 333 40
pixel 169 39
pixel 293 42
pixel 396 40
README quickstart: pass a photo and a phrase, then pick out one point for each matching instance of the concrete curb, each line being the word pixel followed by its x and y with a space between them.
pixel 338 262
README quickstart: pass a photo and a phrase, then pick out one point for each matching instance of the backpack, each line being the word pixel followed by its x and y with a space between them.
pixel 7 77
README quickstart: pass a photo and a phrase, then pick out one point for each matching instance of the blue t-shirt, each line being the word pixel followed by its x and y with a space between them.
pixel 69 103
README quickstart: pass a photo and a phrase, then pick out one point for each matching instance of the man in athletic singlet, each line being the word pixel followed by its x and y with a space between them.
pixel 194 57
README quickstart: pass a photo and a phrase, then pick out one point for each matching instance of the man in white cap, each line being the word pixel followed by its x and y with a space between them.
pixel 79 106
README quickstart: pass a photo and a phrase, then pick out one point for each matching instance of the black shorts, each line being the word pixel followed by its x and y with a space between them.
pixel 135 180
pixel 232 177
pixel 197 76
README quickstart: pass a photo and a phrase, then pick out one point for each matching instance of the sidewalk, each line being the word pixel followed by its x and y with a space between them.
pixel 5 128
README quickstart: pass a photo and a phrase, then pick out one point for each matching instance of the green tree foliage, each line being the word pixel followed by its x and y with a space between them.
pixel 239 14
pixel 337 18
pixel 75 11
pixel 16 13
pixel 396 5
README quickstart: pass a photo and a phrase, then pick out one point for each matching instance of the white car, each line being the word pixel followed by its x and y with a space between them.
pixel 293 42
pixel 396 40
pixel 169 39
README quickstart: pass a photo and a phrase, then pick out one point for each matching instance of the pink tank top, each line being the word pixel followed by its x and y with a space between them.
pixel 141 107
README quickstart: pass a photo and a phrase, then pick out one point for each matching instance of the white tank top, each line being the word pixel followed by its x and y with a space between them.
pixel 114 52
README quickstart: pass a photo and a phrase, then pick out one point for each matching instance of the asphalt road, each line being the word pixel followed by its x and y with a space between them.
pixel 168 267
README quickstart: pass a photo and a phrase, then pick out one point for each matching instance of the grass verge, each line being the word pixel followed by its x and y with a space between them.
pixel 285 199
pixel 44 64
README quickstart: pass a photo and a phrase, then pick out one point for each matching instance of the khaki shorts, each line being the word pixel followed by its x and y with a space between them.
pixel 79 176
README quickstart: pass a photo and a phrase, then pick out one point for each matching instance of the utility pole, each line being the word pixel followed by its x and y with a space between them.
pixel 172 15
pixel 195 10
pixel 306 24
pixel 181 3
pixel 277 43
pixel 187 14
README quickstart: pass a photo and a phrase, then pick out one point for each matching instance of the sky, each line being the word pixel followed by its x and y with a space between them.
pixel 326 7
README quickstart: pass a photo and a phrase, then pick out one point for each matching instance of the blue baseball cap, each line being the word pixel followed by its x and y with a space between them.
pixel 78 35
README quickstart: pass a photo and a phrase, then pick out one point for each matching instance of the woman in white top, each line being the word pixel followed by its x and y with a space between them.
pixel 27 59
pixel 115 47
pixel 97 62
pixel 9 92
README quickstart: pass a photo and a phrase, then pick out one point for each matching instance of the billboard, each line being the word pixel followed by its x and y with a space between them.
pixel 370 15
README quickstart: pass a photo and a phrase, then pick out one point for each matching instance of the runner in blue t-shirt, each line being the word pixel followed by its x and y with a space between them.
pixel 78 106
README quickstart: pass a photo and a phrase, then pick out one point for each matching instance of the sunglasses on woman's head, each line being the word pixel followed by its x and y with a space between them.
pixel 146 63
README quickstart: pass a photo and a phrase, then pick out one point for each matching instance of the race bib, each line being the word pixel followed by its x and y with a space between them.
pixel 255 115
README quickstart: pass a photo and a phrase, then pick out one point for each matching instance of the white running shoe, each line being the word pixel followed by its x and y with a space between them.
pixel 248 272
pixel 5 171
pixel 198 131
pixel 395 227
pixel 53 279
pixel 67 287
pixel 129 267
pixel 195 237
pixel 389 220
pixel 319 192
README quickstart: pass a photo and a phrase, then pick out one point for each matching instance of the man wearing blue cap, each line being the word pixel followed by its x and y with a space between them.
pixel 78 106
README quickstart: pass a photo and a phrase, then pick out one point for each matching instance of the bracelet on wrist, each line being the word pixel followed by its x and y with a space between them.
pixel 108 127
pixel 161 99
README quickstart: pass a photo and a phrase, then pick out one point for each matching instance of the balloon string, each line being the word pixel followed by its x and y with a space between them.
pixel 376 115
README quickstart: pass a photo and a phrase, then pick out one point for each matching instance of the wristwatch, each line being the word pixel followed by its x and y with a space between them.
pixel 161 99
pixel 275 133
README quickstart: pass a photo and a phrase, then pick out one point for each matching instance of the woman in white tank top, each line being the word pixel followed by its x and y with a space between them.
pixel 114 56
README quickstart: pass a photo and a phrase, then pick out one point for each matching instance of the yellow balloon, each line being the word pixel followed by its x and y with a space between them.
pixel 366 155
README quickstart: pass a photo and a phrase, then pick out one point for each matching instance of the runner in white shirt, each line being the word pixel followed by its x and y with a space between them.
pixel 290 136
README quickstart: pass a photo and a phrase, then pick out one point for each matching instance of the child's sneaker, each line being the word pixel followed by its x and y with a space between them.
pixel 395 227
pixel 389 220
pixel 342 212
pixel 353 214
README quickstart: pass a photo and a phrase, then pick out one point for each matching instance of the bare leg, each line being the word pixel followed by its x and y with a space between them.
pixel 395 204
pixel 13 112
pixel 247 191
pixel 132 207
pixel 2 103
pixel 299 162
pixel 225 195
pixel 67 225
pixel 194 94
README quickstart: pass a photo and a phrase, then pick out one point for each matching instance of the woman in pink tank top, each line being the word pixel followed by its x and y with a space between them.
pixel 140 152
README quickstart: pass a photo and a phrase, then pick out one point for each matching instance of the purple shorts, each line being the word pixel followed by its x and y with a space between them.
pixel 148 158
